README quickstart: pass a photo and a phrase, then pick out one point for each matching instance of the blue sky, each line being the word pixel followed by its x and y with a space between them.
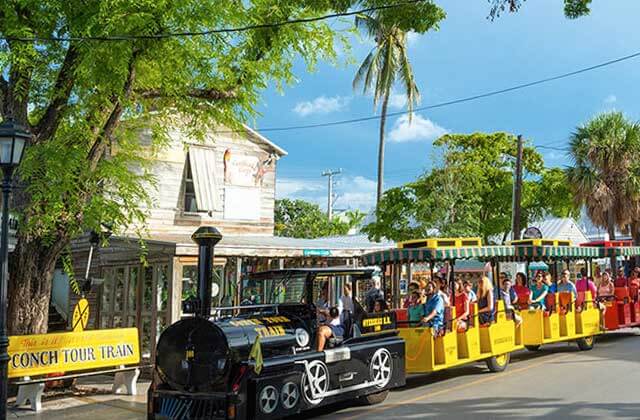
pixel 468 55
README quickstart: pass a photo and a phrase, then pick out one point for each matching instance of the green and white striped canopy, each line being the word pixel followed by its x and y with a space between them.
pixel 556 252
pixel 621 251
pixel 407 255
pixel 498 252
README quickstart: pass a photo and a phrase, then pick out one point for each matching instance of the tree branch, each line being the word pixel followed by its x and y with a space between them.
pixel 205 94
pixel 100 145
pixel 4 95
pixel 46 127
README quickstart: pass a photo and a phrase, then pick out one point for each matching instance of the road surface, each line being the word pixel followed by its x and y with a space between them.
pixel 558 382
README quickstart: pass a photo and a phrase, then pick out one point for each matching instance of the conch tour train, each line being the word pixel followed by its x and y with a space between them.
pixel 303 338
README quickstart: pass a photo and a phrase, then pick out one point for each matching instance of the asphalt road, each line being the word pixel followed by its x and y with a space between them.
pixel 558 382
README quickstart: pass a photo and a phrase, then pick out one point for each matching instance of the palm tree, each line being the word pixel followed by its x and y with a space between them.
pixel 604 178
pixel 385 64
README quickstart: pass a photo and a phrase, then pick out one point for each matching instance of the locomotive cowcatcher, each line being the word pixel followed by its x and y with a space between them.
pixel 259 359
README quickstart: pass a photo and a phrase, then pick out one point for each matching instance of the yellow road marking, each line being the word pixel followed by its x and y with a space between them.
pixel 94 401
pixel 453 388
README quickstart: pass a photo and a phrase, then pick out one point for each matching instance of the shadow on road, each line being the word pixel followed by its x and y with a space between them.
pixel 501 408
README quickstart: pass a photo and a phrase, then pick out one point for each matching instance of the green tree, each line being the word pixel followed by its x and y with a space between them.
pixel 572 8
pixel 301 219
pixel 355 218
pixel 388 63
pixel 605 175
pixel 84 167
pixel 470 193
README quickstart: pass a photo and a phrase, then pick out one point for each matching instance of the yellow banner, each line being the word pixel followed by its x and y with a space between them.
pixel 70 351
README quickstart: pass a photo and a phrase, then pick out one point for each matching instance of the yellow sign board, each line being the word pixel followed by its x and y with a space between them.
pixel 70 351
pixel 80 317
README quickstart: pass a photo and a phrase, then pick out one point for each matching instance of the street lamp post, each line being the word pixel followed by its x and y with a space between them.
pixel 13 138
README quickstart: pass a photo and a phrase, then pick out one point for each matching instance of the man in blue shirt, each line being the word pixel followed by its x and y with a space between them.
pixel 433 315
pixel 566 285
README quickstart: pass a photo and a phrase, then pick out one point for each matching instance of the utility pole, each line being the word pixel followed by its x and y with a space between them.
pixel 517 193
pixel 330 198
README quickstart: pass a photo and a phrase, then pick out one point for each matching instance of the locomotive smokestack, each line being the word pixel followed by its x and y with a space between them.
pixel 206 237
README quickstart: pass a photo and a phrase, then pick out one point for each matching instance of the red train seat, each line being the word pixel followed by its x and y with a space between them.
pixel 550 302
pixel 402 315
pixel 565 299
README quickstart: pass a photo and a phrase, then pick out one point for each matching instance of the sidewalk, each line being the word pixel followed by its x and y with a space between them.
pixel 92 401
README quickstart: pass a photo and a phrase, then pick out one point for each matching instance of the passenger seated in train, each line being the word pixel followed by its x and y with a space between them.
pixel 462 307
pixel 548 280
pixel 374 293
pixel 606 290
pixel 522 291
pixel 412 297
pixel 486 304
pixel 583 284
pixel 443 290
pixel 332 328
pixel 634 284
pixel 379 306
pixel 433 314
pixel 510 298
pixel 468 288
pixel 621 279
pixel 539 292
pixel 416 310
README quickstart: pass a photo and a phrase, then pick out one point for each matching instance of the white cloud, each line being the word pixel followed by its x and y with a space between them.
pixel 611 99
pixel 353 192
pixel 412 38
pixel 297 188
pixel 397 100
pixel 321 105
pixel 419 129
pixel 356 193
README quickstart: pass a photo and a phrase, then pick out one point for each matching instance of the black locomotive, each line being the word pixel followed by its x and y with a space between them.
pixel 259 359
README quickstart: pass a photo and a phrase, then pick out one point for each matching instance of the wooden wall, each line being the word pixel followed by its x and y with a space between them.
pixel 166 216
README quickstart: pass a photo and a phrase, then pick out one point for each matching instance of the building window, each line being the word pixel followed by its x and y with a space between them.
pixel 190 203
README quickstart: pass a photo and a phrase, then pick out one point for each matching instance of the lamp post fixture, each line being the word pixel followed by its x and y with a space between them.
pixel 13 138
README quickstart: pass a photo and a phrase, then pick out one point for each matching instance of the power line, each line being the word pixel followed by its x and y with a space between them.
pixel 210 31
pixel 447 103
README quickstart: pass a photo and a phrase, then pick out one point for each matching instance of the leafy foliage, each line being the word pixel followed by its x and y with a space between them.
pixel 470 194
pixel 387 64
pixel 573 9
pixel 302 219
pixel 605 175
pixel 89 103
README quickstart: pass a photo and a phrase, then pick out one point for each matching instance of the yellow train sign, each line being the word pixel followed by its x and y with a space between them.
pixel 40 354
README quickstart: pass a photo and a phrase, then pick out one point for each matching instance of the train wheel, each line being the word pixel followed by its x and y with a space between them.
pixel 376 398
pixel 532 348
pixel 498 363
pixel 586 343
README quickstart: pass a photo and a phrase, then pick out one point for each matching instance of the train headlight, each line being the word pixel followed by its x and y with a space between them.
pixel 302 337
